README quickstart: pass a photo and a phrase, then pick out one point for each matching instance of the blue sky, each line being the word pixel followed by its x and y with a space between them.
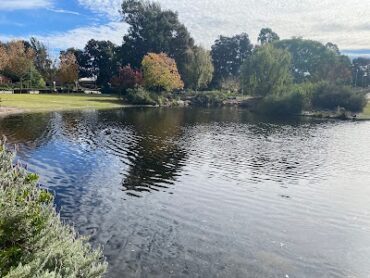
pixel 66 23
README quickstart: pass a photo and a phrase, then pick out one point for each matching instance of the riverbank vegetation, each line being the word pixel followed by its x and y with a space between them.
pixel 160 63
pixel 33 240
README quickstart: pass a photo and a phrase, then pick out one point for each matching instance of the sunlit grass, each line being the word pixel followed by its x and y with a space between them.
pixel 53 102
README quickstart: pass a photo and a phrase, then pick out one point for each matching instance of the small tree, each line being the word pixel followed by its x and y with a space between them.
pixel 199 69
pixel 267 71
pixel 160 73
pixel 127 78
pixel 68 69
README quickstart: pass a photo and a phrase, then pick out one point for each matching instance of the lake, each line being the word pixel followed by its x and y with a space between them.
pixel 207 192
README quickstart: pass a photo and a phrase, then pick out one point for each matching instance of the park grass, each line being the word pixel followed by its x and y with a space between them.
pixel 58 102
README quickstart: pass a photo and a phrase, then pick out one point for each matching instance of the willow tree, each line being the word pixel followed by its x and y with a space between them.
pixel 199 69
pixel 267 72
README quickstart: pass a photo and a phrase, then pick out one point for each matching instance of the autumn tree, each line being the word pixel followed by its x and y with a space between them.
pixel 153 30
pixel 19 61
pixel 68 68
pixel 127 78
pixel 161 73
pixel 3 57
pixel 199 68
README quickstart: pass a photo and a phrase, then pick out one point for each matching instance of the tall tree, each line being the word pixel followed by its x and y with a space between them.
pixel 228 55
pixel 42 61
pixel 160 72
pixel 68 69
pixel 199 69
pixel 267 36
pixel 153 29
pixel 361 72
pixel 99 60
pixel 19 60
pixel 267 71
pixel 82 61
pixel 312 61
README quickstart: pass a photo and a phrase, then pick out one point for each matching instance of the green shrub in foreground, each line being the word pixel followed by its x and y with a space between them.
pixel 139 96
pixel 33 240
pixel 209 98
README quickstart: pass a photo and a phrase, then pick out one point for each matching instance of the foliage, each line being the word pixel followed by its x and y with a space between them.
pixel 267 72
pixel 153 30
pixel 267 36
pixel 209 98
pixel 230 84
pixel 139 96
pixel 312 61
pixel 282 105
pixel 127 78
pixel 42 62
pixel 361 72
pixel 33 240
pixel 19 60
pixel 228 55
pixel 330 96
pixel 34 79
pixel 99 58
pixel 199 69
pixel 68 68
pixel 160 73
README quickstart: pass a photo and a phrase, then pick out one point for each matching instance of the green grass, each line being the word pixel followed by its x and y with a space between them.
pixel 365 115
pixel 51 102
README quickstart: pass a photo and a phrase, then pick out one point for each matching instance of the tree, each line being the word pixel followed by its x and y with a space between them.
pixel 127 78
pixel 228 55
pixel 42 62
pixel 19 61
pixel 82 61
pixel 311 59
pixel 98 60
pixel 199 69
pixel 361 72
pixel 267 71
pixel 160 72
pixel 68 69
pixel 3 57
pixel 333 47
pixel 267 36
pixel 153 30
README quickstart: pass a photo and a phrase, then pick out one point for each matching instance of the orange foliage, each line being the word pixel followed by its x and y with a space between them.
pixel 160 72
pixel 68 68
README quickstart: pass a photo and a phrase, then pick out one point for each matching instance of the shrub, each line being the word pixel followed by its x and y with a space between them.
pixel 210 98
pixel 33 240
pixel 139 96
pixel 288 104
pixel 329 96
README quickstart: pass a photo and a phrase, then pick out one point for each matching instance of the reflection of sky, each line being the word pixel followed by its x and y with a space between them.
pixel 63 24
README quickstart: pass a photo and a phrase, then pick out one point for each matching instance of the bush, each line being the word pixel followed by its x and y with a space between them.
pixel 33 240
pixel 210 98
pixel 288 104
pixel 329 96
pixel 139 96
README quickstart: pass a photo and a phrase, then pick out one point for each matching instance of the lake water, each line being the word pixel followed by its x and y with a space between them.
pixel 207 192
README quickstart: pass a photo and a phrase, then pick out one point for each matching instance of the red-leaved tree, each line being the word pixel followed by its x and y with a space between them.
pixel 127 78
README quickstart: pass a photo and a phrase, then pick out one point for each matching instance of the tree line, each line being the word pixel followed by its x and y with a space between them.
pixel 159 53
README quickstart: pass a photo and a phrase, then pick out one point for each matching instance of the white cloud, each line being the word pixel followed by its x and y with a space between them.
pixel 24 4
pixel 62 11
pixel 341 21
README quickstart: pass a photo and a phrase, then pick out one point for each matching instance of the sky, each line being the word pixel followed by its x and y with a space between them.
pixel 71 23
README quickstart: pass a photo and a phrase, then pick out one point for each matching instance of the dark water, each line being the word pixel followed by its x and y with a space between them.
pixel 207 193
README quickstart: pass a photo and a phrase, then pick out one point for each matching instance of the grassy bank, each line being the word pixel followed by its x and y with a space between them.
pixel 39 103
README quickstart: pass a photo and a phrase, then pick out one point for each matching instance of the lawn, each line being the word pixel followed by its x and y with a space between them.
pixel 54 102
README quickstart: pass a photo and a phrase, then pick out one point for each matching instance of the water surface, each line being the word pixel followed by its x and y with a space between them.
pixel 207 192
